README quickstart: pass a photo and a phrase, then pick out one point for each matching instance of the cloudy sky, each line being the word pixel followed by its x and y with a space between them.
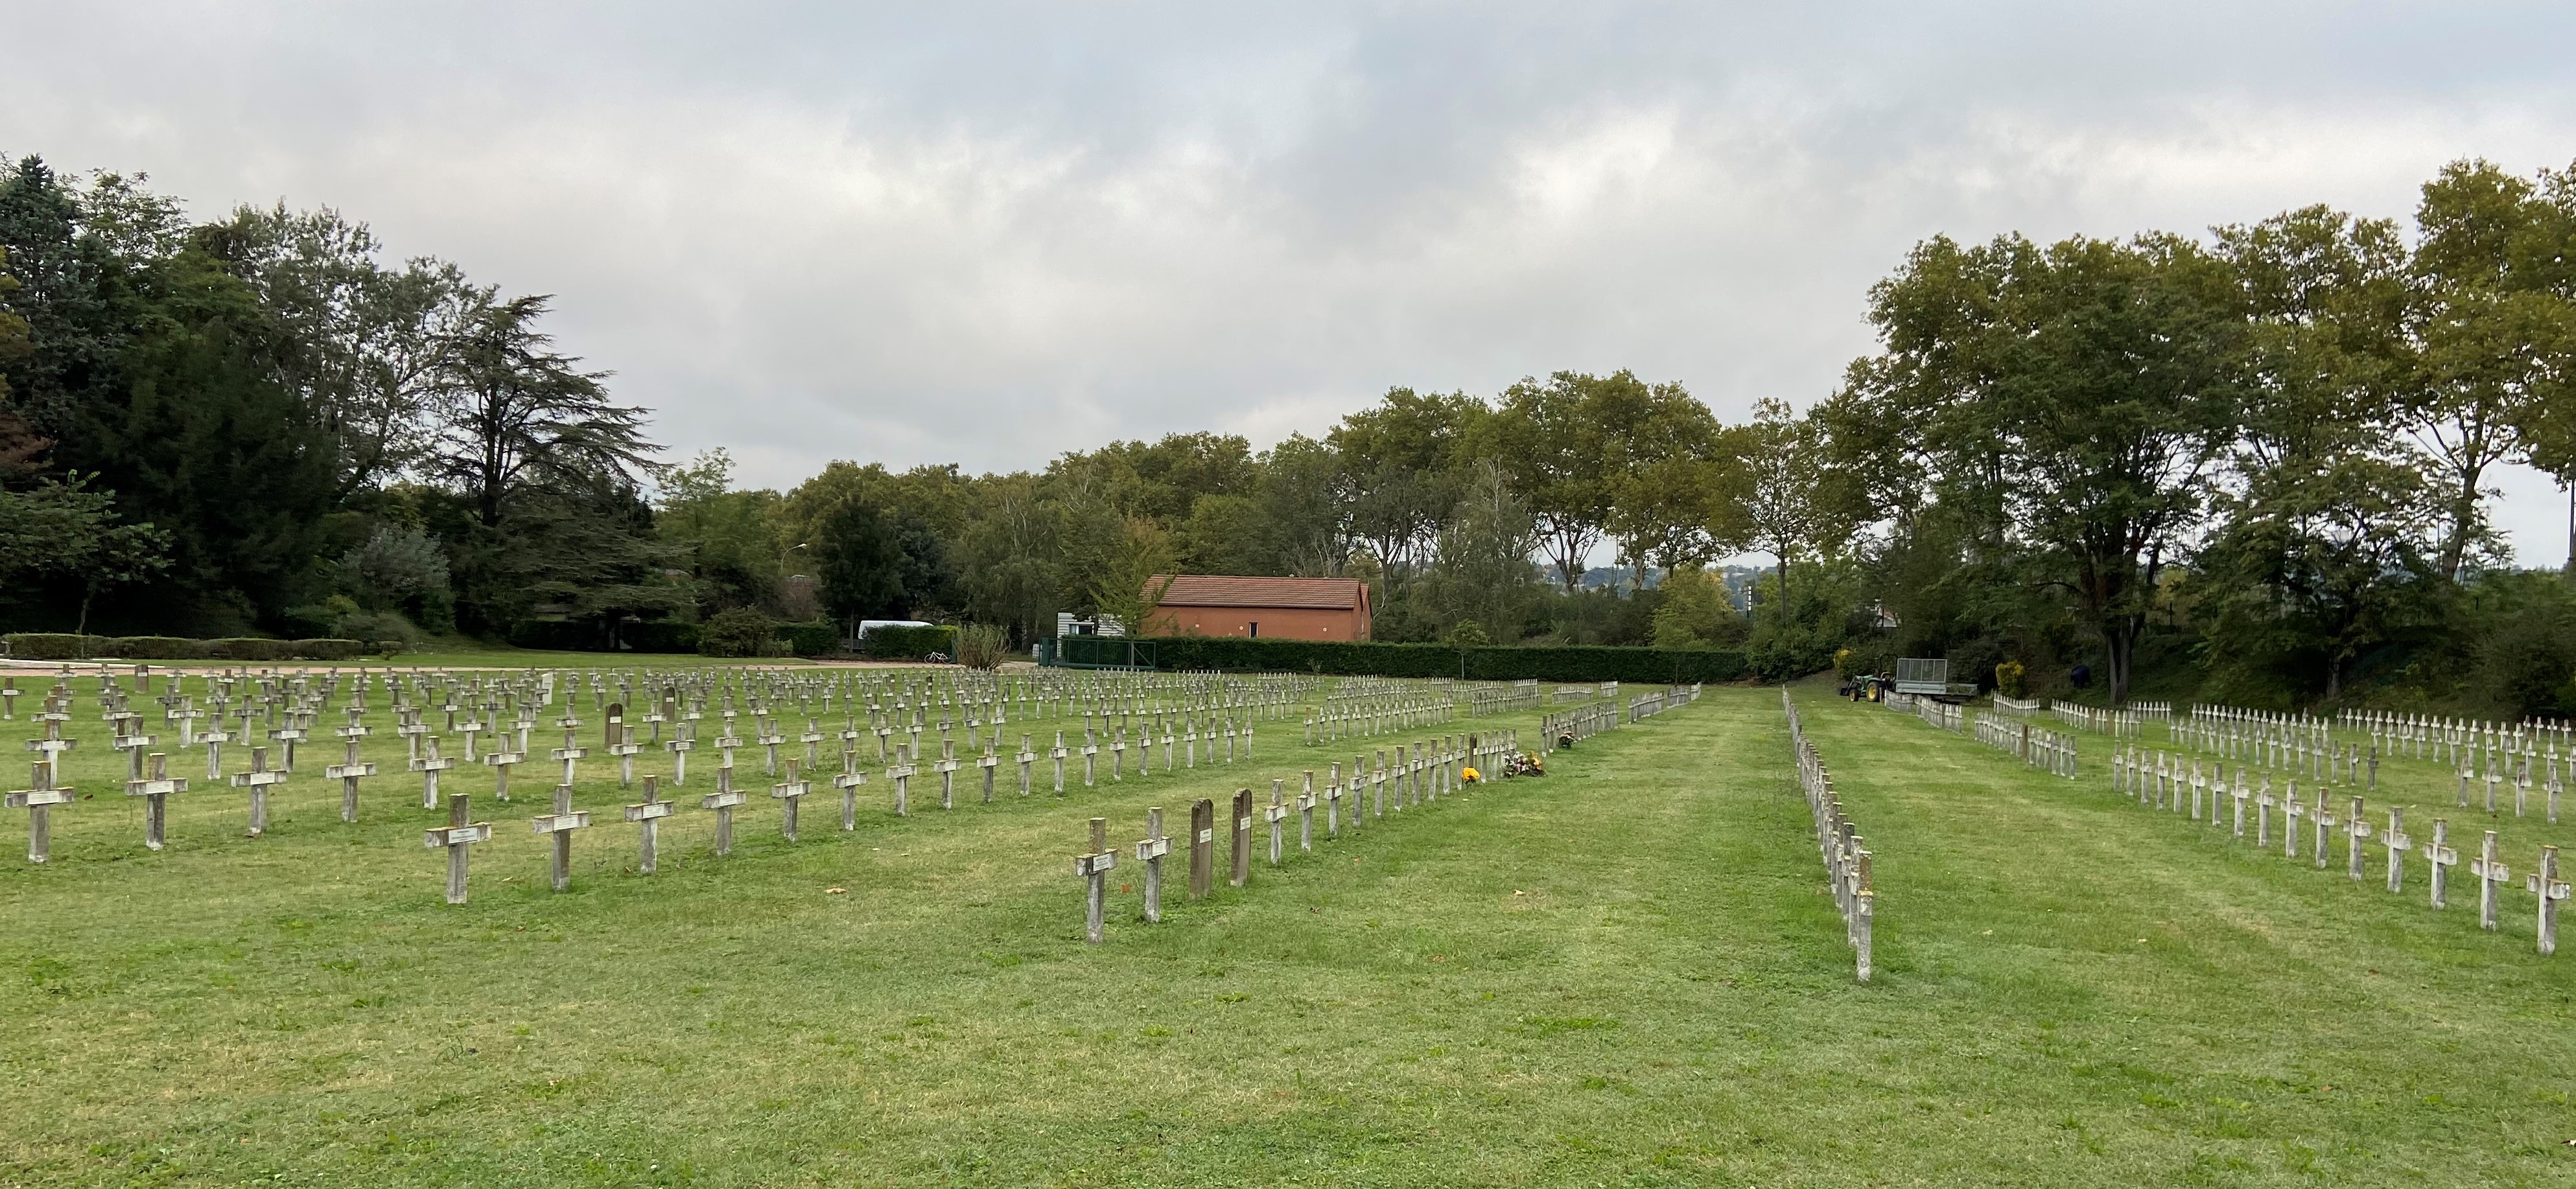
pixel 989 233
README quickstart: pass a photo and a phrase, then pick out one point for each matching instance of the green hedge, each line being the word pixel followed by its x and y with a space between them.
pixel 909 644
pixel 811 639
pixel 576 635
pixel 1651 665
pixel 52 646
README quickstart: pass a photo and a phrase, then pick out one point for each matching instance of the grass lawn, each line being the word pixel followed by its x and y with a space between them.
pixel 1625 973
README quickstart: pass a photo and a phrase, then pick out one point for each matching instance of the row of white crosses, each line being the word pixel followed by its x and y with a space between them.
pixel 2185 784
pixel 1565 728
pixel 2124 723
pixel 1420 775
pixel 1362 716
pixel 2046 750
pixel 1484 698
pixel 2496 753
pixel 1838 842
pixel 1646 706
pixel 2298 744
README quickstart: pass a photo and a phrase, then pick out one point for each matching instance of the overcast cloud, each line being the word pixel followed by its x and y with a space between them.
pixel 988 234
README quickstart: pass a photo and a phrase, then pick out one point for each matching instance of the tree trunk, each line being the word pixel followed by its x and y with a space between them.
pixel 2120 642
pixel 89 590
pixel 1785 611
pixel 2464 510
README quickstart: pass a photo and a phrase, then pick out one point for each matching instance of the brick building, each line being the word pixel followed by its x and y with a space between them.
pixel 1264 608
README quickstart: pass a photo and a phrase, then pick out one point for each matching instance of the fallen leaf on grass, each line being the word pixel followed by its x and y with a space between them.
pixel 836 891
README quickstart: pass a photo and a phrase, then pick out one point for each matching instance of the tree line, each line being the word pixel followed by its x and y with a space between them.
pixel 2254 463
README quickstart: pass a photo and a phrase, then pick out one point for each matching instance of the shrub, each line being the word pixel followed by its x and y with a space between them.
pixel 381 625
pixel 821 638
pixel 2012 679
pixel 328 650
pixel 52 646
pixel 245 648
pixel 982 646
pixel 387 647
pixel 155 648
pixel 908 644
pixel 659 637
pixel 739 632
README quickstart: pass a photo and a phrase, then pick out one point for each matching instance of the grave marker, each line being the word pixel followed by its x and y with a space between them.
pixel 2491 873
pixel 724 801
pixel 848 782
pixel 901 774
pixel 1306 817
pixel 1242 851
pixel 1277 812
pixel 1150 851
pixel 947 767
pixel 560 824
pixel 2546 885
pixel 2441 858
pixel 647 818
pixel 1094 868
pixel 349 771
pixel 2395 839
pixel 1202 848
pixel 456 836
pixel 788 793
pixel 258 780
pixel 39 799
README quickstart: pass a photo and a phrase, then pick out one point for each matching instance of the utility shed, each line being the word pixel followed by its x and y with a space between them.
pixel 1261 608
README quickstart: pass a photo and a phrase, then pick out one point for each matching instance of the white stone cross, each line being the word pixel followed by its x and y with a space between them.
pixel 901 774
pixel 39 799
pixel 724 801
pixel 2395 839
pixel 1094 867
pixel 1150 851
pixel 258 780
pixel 571 753
pixel 560 824
pixel 848 782
pixel 2441 858
pixel 2356 836
pixel 1059 754
pixel 455 836
pixel 1276 813
pixel 622 744
pixel 647 817
pixel 349 771
pixel 679 745
pixel 789 793
pixel 2491 873
pixel 2546 885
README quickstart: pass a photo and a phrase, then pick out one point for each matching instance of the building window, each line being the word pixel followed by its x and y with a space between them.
pixel 1256 629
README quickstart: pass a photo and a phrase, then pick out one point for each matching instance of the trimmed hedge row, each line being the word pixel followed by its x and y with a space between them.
pixel 554 635
pixel 63 646
pixel 908 644
pixel 801 639
pixel 1568 663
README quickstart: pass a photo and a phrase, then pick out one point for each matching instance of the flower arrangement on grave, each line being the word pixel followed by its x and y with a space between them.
pixel 1468 776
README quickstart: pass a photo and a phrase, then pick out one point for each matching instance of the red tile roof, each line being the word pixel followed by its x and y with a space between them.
pixel 1214 590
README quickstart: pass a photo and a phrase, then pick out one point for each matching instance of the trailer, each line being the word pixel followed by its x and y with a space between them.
pixel 1929 678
